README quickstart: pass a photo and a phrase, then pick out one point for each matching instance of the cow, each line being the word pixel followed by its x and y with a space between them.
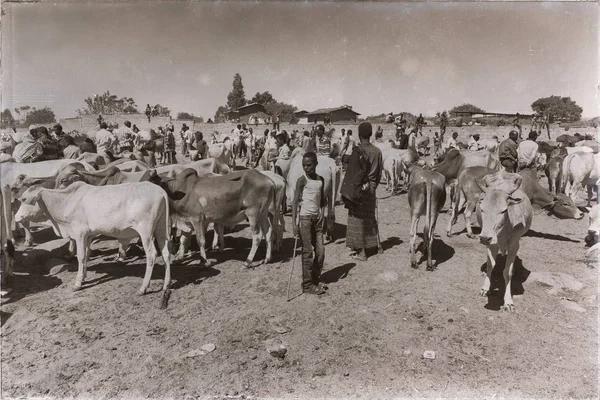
pixel 393 161
pixel 81 212
pixel 224 152
pixel 569 140
pixel 592 144
pixel 504 216
pixel 109 176
pixel 276 209
pixel 327 169
pixel 9 173
pixel 468 191
pixel 553 169
pixel 423 145
pixel 580 169
pixel 128 165
pixel 208 165
pixel 426 197
pixel 224 200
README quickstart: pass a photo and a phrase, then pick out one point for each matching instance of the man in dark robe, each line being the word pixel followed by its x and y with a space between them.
pixel 362 231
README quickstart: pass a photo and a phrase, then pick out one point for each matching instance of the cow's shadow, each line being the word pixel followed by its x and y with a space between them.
pixel 390 242
pixel 24 285
pixel 497 286
pixel 549 236
pixel 440 251
pixel 181 275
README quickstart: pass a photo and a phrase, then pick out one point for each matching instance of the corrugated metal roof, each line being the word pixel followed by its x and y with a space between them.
pixel 330 110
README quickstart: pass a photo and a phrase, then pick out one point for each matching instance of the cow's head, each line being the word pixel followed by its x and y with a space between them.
pixel 30 209
pixel 563 207
pixel 493 209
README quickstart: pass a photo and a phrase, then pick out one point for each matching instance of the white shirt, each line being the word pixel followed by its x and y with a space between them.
pixel 351 144
pixel 104 140
pixel 271 143
pixel 451 143
pixel 527 151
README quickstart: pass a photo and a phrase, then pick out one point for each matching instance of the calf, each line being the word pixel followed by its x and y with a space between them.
pixel 553 171
pixel 580 169
pixel 426 196
pixel 81 212
pixel 504 216
pixel 591 240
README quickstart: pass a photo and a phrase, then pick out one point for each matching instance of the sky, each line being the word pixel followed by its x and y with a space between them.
pixel 376 57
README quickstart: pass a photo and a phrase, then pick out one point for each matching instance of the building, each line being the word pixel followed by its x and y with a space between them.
pixel 336 114
pixel 248 113
pixel 301 115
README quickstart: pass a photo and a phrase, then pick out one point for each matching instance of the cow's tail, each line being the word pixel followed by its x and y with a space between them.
pixel 564 178
pixel 428 213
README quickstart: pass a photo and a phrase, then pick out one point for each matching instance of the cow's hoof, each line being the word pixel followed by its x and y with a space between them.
pixel 246 265
pixel 329 239
pixel 483 292
pixel 508 307
pixel 141 292
pixel 268 260
pixel 448 234
pixel 430 268
pixel 470 236
pixel 118 260
pixel 76 288
pixel 380 250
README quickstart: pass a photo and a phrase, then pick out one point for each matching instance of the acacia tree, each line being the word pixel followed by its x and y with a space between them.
pixel 108 103
pixel 558 108
pixel 465 108
pixel 221 114
pixel 262 98
pixel 236 98
pixel 42 116
pixel 7 117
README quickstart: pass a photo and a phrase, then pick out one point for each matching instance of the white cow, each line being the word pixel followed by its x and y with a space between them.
pixel 276 210
pixel 580 169
pixel 224 152
pixel 9 173
pixel 593 229
pixel 504 216
pixel 82 212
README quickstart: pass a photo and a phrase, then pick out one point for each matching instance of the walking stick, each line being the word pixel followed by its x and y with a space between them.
pixel 292 270
pixel 379 248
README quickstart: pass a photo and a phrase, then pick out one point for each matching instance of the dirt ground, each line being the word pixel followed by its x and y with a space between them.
pixel 364 339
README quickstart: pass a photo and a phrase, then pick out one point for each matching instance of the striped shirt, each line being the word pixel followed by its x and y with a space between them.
pixel 323 146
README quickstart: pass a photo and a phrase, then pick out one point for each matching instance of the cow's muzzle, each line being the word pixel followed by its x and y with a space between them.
pixel 591 238
pixel 487 240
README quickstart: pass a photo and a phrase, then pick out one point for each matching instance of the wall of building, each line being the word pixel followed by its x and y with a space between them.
pixel 87 123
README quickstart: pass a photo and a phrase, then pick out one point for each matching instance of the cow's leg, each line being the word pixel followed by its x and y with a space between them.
pixel 590 194
pixel 255 229
pixel 151 253
pixel 27 230
pixel 200 228
pixel 162 238
pixel 83 244
pixel 267 231
pixel 508 273
pixel 469 208
pixel 413 238
pixel 184 244
pixel 219 237
pixel 492 252
pixel 430 239
pixel 455 206
pixel 121 252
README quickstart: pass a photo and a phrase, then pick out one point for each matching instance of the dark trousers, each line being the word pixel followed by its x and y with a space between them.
pixel 311 237
pixel 509 165
pixel 345 159
pixel 243 149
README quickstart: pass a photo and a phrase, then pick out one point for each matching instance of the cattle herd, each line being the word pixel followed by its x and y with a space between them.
pixel 128 200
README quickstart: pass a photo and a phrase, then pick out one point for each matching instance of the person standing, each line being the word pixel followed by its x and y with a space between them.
pixel 517 124
pixel 308 210
pixel 363 173
pixel 347 149
pixel 443 125
pixel 170 144
pixel 528 151
pixel 419 124
pixel 105 141
pixel 184 143
pixel 323 142
pixel 507 152
pixel 473 143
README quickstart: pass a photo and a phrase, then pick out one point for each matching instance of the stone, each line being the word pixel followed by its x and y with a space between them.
pixel 570 305
pixel 208 348
pixel 429 354
pixel 278 327
pixel 58 248
pixel 58 265
pixel 275 348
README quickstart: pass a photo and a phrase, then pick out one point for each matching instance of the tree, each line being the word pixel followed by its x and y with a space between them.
pixel 558 108
pixel 7 117
pixel 188 116
pixel 262 98
pixel 162 110
pixel 236 98
pixel 42 116
pixel 221 114
pixel 465 108
pixel 285 111
pixel 107 103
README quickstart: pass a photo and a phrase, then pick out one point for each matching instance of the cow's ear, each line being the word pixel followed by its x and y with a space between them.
pixel 514 200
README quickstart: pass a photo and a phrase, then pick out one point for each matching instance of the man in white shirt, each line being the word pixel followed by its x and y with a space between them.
pixel 105 141
pixel 528 151
pixel 451 143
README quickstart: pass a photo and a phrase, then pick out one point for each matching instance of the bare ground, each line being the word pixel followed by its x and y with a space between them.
pixel 365 338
